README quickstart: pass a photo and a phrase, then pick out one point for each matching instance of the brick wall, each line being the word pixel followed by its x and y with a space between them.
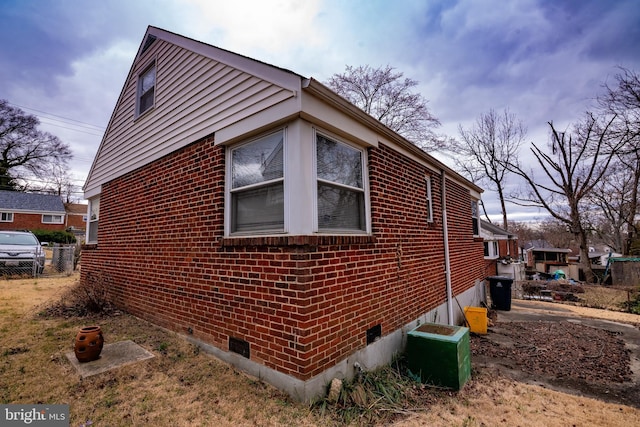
pixel 303 303
pixel 504 247
pixel 23 221
pixel 76 221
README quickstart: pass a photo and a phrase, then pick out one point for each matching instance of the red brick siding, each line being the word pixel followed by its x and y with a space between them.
pixel 302 302
pixel 504 247
pixel 24 221
pixel 490 267
pixel 76 221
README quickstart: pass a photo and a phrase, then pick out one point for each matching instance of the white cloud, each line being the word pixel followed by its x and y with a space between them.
pixel 246 26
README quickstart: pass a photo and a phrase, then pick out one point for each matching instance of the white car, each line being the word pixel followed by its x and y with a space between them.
pixel 20 252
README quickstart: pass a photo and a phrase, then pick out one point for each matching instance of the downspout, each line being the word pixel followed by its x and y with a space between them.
pixel 447 263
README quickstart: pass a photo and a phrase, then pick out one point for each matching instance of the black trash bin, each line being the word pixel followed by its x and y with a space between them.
pixel 500 291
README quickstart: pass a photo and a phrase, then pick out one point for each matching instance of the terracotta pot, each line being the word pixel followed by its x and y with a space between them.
pixel 89 342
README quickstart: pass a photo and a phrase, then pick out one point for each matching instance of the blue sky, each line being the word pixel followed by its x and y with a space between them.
pixel 66 60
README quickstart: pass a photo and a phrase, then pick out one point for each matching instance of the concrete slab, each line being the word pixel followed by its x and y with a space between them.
pixel 113 356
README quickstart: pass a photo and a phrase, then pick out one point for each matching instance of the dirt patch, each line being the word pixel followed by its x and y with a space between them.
pixel 566 347
pixel 567 353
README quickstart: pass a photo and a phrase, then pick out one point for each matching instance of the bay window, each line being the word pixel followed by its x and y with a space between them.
pixel 296 181
pixel 257 185
pixel 340 186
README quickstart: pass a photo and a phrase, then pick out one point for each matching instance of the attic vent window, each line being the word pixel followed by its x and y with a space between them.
pixel 146 89
pixel 147 43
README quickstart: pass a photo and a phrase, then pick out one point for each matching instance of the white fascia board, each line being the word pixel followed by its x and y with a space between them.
pixel 319 113
pixel 92 192
pixel 273 116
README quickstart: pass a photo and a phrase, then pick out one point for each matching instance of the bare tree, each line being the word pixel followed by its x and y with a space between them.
pixel 613 204
pixel 24 150
pixel 384 94
pixel 622 101
pixel 572 167
pixel 484 151
pixel 548 233
pixel 60 182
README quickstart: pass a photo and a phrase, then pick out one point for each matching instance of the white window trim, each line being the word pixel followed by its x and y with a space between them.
pixel 6 214
pixel 429 199
pixel 152 64
pixel 53 217
pixel 92 220
pixel 300 183
pixel 229 190
pixel 494 249
pixel 365 186
pixel 476 233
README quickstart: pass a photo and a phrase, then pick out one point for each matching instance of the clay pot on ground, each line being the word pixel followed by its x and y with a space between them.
pixel 89 343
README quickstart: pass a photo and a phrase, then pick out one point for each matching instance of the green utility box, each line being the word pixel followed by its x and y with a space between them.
pixel 439 355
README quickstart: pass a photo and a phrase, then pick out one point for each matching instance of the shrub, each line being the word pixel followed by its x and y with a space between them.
pixel 83 299
pixel 633 305
pixel 50 236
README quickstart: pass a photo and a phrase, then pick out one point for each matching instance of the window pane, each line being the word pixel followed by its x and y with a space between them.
pixel 474 218
pixel 340 209
pixel 338 162
pixel 258 209
pixel 52 219
pixel 429 200
pixel 95 208
pixel 146 90
pixel 258 161
pixel 148 80
pixel 93 231
pixel 146 101
pixel 94 214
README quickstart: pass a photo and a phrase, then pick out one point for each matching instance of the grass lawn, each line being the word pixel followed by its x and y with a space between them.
pixel 183 386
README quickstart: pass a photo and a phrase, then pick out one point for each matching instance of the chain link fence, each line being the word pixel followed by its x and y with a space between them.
pixel 41 262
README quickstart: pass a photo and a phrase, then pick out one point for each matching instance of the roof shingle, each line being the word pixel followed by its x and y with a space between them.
pixel 15 200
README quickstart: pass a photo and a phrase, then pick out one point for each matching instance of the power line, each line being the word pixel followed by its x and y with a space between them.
pixel 102 128
pixel 66 127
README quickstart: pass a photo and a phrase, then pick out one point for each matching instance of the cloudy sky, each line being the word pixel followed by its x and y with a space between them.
pixel 66 60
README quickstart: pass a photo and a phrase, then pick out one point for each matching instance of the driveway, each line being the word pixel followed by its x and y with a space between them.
pixel 557 347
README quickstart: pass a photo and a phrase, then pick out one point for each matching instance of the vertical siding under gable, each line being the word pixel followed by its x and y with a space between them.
pixel 194 97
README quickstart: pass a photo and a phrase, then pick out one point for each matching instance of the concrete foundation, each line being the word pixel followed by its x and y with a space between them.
pixel 376 354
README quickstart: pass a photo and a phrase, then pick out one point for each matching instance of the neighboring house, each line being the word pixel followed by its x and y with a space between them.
pixel 501 252
pixel 601 258
pixel 31 211
pixel 548 260
pixel 270 221
pixel 76 221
